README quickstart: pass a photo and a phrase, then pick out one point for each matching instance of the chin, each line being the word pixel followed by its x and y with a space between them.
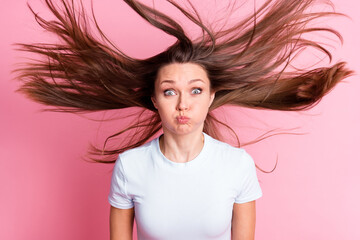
pixel 189 130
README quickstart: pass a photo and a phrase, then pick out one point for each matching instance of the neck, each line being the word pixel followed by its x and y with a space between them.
pixel 181 148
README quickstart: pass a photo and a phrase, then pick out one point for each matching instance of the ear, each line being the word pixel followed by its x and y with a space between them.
pixel 154 102
pixel 212 96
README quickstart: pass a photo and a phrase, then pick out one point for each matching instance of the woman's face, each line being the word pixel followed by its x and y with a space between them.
pixel 182 97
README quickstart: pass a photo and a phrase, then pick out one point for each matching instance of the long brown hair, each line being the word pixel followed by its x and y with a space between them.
pixel 247 64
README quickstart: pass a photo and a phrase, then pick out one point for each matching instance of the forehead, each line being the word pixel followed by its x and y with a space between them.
pixel 182 71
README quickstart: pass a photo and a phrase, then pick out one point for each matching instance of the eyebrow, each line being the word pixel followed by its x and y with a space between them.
pixel 191 81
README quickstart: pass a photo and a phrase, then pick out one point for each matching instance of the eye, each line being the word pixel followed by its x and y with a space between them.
pixel 196 91
pixel 169 92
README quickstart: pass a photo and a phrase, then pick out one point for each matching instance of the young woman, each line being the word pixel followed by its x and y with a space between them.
pixel 186 184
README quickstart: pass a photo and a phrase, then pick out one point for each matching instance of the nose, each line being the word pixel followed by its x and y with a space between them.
pixel 183 104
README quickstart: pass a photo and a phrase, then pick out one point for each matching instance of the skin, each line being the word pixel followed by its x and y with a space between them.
pixel 243 221
pixel 121 223
pixel 182 91
pixel 182 96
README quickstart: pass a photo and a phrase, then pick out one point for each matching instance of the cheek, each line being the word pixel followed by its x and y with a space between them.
pixel 164 110
pixel 206 102
pixel 202 109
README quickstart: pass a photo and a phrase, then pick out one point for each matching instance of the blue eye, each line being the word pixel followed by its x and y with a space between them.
pixel 196 91
pixel 169 92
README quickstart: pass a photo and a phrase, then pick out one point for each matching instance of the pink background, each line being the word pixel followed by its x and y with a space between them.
pixel 47 191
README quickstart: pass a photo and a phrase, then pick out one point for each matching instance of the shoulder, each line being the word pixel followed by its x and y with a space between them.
pixel 136 158
pixel 135 152
pixel 230 154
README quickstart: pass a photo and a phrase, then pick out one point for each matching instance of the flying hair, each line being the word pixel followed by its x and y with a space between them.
pixel 248 64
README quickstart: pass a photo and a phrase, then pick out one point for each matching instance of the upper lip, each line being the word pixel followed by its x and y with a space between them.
pixel 182 117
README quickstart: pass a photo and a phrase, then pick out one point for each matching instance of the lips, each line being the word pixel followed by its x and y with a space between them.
pixel 182 119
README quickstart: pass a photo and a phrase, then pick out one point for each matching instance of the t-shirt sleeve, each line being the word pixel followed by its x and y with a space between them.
pixel 118 196
pixel 250 188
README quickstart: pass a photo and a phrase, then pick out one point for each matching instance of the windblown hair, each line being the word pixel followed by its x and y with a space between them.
pixel 247 64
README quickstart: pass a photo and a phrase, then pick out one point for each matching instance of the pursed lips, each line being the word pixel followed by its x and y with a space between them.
pixel 182 119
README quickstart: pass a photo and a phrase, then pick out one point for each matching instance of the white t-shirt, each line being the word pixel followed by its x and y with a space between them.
pixel 192 200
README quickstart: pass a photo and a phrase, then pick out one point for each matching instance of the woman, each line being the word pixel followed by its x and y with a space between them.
pixel 184 184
